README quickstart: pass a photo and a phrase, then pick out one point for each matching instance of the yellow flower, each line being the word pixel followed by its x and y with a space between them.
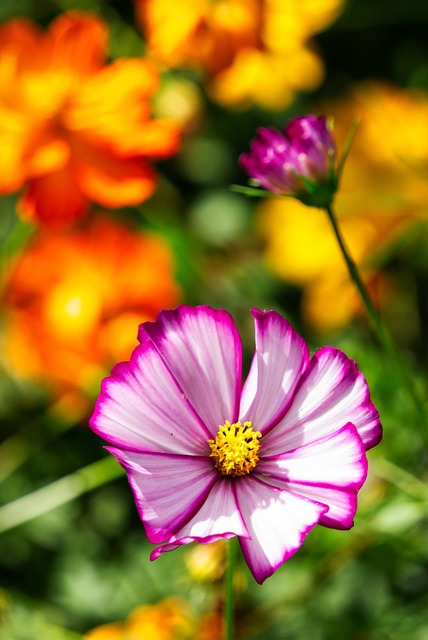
pixel 302 249
pixel 206 562
pixel 72 128
pixel 251 50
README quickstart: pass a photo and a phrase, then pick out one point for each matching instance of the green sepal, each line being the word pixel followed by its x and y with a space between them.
pixel 252 192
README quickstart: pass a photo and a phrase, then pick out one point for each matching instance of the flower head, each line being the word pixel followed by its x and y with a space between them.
pixel 67 325
pixel 298 162
pixel 207 459
pixel 74 129
pixel 251 51
pixel 382 193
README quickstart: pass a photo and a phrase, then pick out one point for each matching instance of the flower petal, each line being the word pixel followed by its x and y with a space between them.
pixel 141 407
pixel 202 348
pixel 218 518
pixel 112 181
pixel 113 110
pixel 54 198
pixel 277 521
pixel 280 358
pixel 331 393
pixel 322 471
pixel 168 489
pixel 77 41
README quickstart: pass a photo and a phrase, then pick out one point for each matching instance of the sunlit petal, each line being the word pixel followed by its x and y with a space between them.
pixel 330 470
pixel 168 489
pixel 280 358
pixel 218 518
pixel 142 407
pixel 277 522
pixel 201 347
pixel 332 393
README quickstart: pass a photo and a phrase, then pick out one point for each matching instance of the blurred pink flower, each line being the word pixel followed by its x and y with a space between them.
pixel 289 452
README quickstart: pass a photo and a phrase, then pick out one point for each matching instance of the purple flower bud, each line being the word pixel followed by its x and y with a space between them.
pixel 298 162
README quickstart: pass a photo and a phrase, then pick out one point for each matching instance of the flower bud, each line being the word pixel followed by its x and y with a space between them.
pixel 298 162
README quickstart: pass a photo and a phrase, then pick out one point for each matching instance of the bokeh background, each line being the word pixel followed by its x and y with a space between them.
pixel 121 125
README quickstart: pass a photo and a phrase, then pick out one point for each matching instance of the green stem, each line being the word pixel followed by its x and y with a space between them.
pixel 229 595
pixel 375 319
pixel 402 479
pixel 58 493
pixel 28 441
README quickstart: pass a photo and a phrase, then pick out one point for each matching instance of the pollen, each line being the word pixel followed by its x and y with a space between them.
pixel 235 449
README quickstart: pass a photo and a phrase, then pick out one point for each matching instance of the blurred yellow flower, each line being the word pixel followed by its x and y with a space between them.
pixel 206 562
pixel 73 302
pixel 251 50
pixel 384 190
pixel 166 620
pixel 301 248
pixel 180 100
pixel 74 129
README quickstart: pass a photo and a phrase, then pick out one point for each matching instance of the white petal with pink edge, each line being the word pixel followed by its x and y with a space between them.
pixel 339 459
pixel 280 358
pixel 202 348
pixel 168 490
pixel 332 392
pixel 142 407
pixel 342 503
pixel 218 518
pixel 277 522
pixel 322 471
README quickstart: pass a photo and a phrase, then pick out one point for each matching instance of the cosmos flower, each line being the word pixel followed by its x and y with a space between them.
pixel 67 325
pixel 207 459
pixel 297 162
pixel 74 129
pixel 382 196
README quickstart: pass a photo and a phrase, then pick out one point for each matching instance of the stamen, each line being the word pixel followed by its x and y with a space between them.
pixel 235 449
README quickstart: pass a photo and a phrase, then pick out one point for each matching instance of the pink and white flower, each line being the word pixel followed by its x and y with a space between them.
pixel 207 458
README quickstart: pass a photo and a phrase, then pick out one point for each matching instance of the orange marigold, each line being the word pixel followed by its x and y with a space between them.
pixel 72 128
pixel 169 619
pixel 73 301
pixel 252 50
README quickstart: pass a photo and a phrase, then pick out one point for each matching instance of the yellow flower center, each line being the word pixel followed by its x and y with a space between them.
pixel 235 449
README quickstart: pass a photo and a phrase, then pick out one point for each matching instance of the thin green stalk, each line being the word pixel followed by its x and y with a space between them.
pixel 28 441
pixel 229 603
pixel 404 481
pixel 58 493
pixel 375 319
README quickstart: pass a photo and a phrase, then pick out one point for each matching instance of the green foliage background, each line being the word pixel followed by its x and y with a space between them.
pixel 87 561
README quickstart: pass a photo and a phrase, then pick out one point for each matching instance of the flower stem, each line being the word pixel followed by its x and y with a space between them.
pixel 229 595
pixel 374 317
pixel 58 493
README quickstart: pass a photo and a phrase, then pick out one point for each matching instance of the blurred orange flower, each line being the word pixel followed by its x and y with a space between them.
pixel 73 302
pixel 73 129
pixel 384 190
pixel 166 620
pixel 211 626
pixel 252 50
